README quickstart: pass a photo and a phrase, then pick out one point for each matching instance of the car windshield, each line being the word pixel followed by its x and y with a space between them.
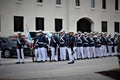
pixel 13 40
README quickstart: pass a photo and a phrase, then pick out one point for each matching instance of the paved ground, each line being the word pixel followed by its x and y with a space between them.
pixel 81 70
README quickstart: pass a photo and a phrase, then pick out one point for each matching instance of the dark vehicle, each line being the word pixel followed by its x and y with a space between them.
pixel 9 47
pixel 33 34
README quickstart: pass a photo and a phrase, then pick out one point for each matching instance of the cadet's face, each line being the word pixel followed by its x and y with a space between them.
pixel 109 35
pixel 71 33
pixel 53 33
pixel 40 33
pixel 61 33
pixel 78 35
pixel 19 34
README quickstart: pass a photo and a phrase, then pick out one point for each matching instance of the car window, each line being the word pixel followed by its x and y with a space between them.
pixel 33 34
pixel 3 41
pixel 12 40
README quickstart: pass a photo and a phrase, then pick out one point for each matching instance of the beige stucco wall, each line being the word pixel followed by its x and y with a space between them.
pixel 67 11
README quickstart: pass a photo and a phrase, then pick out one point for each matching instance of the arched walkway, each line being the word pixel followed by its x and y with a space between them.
pixel 84 25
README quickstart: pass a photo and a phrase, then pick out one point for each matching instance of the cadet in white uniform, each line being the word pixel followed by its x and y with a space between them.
pixel 79 45
pixel 20 46
pixel 70 46
pixel 115 44
pixel 41 47
pixel 36 47
pixel 92 46
pixel 98 47
pixel 86 46
pixel 104 44
pixel 0 50
pixel 75 47
pixel 110 45
pixel 54 45
pixel 62 45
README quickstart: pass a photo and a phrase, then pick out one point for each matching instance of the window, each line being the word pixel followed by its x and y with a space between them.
pixel 3 40
pixel 92 3
pixel 58 2
pixel 116 28
pixel 39 23
pixel 40 1
pixel 104 26
pixel 19 2
pixel 18 23
pixel 103 4
pixel 0 23
pixel 77 2
pixel 58 24
pixel 116 4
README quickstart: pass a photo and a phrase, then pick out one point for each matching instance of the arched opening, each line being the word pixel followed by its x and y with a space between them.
pixel 84 25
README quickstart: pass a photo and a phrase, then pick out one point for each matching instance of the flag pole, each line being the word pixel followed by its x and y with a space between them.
pixel 30 40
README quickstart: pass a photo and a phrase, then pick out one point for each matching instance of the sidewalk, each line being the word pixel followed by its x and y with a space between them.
pixel 80 70
pixel 14 60
pixel 27 59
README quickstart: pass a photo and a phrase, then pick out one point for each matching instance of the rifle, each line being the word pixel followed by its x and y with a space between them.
pixel 49 52
pixel 32 52
pixel 72 46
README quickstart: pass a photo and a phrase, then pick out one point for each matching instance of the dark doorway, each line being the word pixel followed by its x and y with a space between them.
pixel 84 25
pixel 58 25
pixel 18 23
pixel 39 23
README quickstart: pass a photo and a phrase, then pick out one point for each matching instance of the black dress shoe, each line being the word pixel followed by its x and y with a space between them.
pixel 35 61
pixel 23 62
pixel 17 63
pixel 78 58
pixel 43 61
pixel 38 61
pixel 71 62
pixel 50 61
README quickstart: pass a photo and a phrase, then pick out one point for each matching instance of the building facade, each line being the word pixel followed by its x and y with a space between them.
pixel 54 15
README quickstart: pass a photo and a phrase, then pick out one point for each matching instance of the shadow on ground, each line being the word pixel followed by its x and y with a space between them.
pixel 114 74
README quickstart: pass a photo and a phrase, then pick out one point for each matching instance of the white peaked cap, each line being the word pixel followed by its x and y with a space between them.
pixel 19 32
pixel 85 32
pixel 40 31
pixel 79 32
pixel 62 30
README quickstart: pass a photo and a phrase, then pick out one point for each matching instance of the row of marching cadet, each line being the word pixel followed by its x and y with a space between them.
pixel 74 46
